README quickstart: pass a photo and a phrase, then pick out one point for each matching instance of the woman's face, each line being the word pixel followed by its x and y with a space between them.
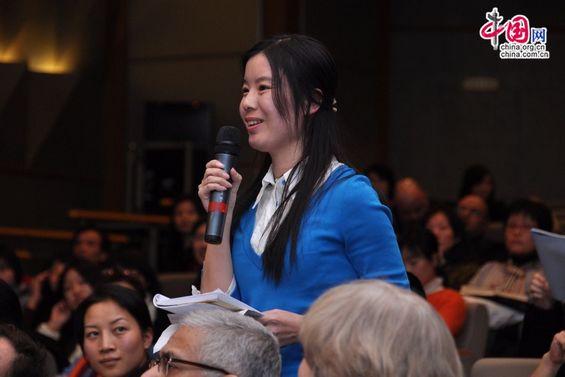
pixel 114 344
pixel 268 131
pixel 75 289
pixel 439 225
pixel 517 235
pixel 185 216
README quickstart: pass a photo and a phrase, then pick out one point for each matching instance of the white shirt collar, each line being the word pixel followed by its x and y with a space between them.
pixel 434 285
pixel 269 179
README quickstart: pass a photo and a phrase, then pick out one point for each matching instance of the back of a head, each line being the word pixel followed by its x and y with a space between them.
pixel 237 343
pixel 371 328
pixel 30 360
pixel 10 261
pixel 418 242
pixel 472 175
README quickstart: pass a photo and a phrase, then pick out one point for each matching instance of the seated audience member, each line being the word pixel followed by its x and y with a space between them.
pixel 90 244
pixel 420 253
pixel 383 181
pixel 199 250
pixel 411 203
pixel 11 269
pixel 446 227
pixel 216 342
pixel 478 180
pixel 176 253
pixel 57 333
pixel 114 331
pixel 473 212
pixel 11 311
pixel 551 364
pixel 20 356
pixel 371 328
pixel 514 275
pixel 458 261
pixel 43 295
pixel 134 279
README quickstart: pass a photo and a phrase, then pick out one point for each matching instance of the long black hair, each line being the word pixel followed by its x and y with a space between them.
pixel 303 75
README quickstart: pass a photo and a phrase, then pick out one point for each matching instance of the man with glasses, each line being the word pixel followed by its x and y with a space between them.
pixel 473 212
pixel 216 342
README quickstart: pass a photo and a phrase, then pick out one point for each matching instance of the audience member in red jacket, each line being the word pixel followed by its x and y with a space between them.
pixel 420 253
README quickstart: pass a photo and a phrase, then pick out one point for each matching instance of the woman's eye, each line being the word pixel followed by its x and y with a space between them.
pixel 91 334
pixel 264 87
pixel 120 329
pixel 244 91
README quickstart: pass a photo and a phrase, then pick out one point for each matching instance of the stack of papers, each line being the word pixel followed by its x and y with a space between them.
pixel 551 252
pixel 183 305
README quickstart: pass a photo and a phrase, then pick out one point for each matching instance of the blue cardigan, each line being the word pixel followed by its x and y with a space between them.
pixel 345 235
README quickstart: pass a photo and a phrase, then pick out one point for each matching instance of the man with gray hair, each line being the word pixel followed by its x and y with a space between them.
pixel 20 356
pixel 212 342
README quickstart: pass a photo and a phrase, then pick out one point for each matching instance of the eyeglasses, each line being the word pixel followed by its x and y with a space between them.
pixel 164 364
pixel 471 211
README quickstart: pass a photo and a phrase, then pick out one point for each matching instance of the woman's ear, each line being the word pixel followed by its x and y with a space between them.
pixel 318 98
pixel 147 338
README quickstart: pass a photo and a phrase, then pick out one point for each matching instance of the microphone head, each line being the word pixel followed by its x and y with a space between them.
pixel 227 140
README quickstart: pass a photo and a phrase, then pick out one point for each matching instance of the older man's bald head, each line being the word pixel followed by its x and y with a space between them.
pixel 411 201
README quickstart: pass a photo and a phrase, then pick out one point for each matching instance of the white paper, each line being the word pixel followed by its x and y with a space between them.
pixel 217 298
pixel 551 251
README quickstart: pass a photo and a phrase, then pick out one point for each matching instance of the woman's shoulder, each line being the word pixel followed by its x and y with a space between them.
pixel 345 185
pixel 344 178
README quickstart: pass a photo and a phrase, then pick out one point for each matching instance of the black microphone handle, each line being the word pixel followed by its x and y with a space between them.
pixel 219 203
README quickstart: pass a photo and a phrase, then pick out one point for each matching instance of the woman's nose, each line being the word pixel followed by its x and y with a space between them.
pixel 248 102
pixel 106 342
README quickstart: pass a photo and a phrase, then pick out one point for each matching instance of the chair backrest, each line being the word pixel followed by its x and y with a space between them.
pixel 176 284
pixel 472 339
pixel 504 367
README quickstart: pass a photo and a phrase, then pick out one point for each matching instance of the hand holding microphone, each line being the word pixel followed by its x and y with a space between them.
pixel 220 183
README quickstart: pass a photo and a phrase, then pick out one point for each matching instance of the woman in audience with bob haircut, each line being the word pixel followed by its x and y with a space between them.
pixel 115 332
pixel 371 328
pixel 458 261
pixel 57 333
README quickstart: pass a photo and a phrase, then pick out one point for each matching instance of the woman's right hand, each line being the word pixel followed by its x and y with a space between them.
pixel 60 314
pixel 556 352
pixel 539 292
pixel 216 179
pixel 35 290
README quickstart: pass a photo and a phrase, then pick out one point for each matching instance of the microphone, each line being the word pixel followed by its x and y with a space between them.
pixel 226 151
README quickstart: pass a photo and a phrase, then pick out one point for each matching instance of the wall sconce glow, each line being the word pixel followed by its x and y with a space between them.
pixel 51 64
pixel 10 54
pixel 480 84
